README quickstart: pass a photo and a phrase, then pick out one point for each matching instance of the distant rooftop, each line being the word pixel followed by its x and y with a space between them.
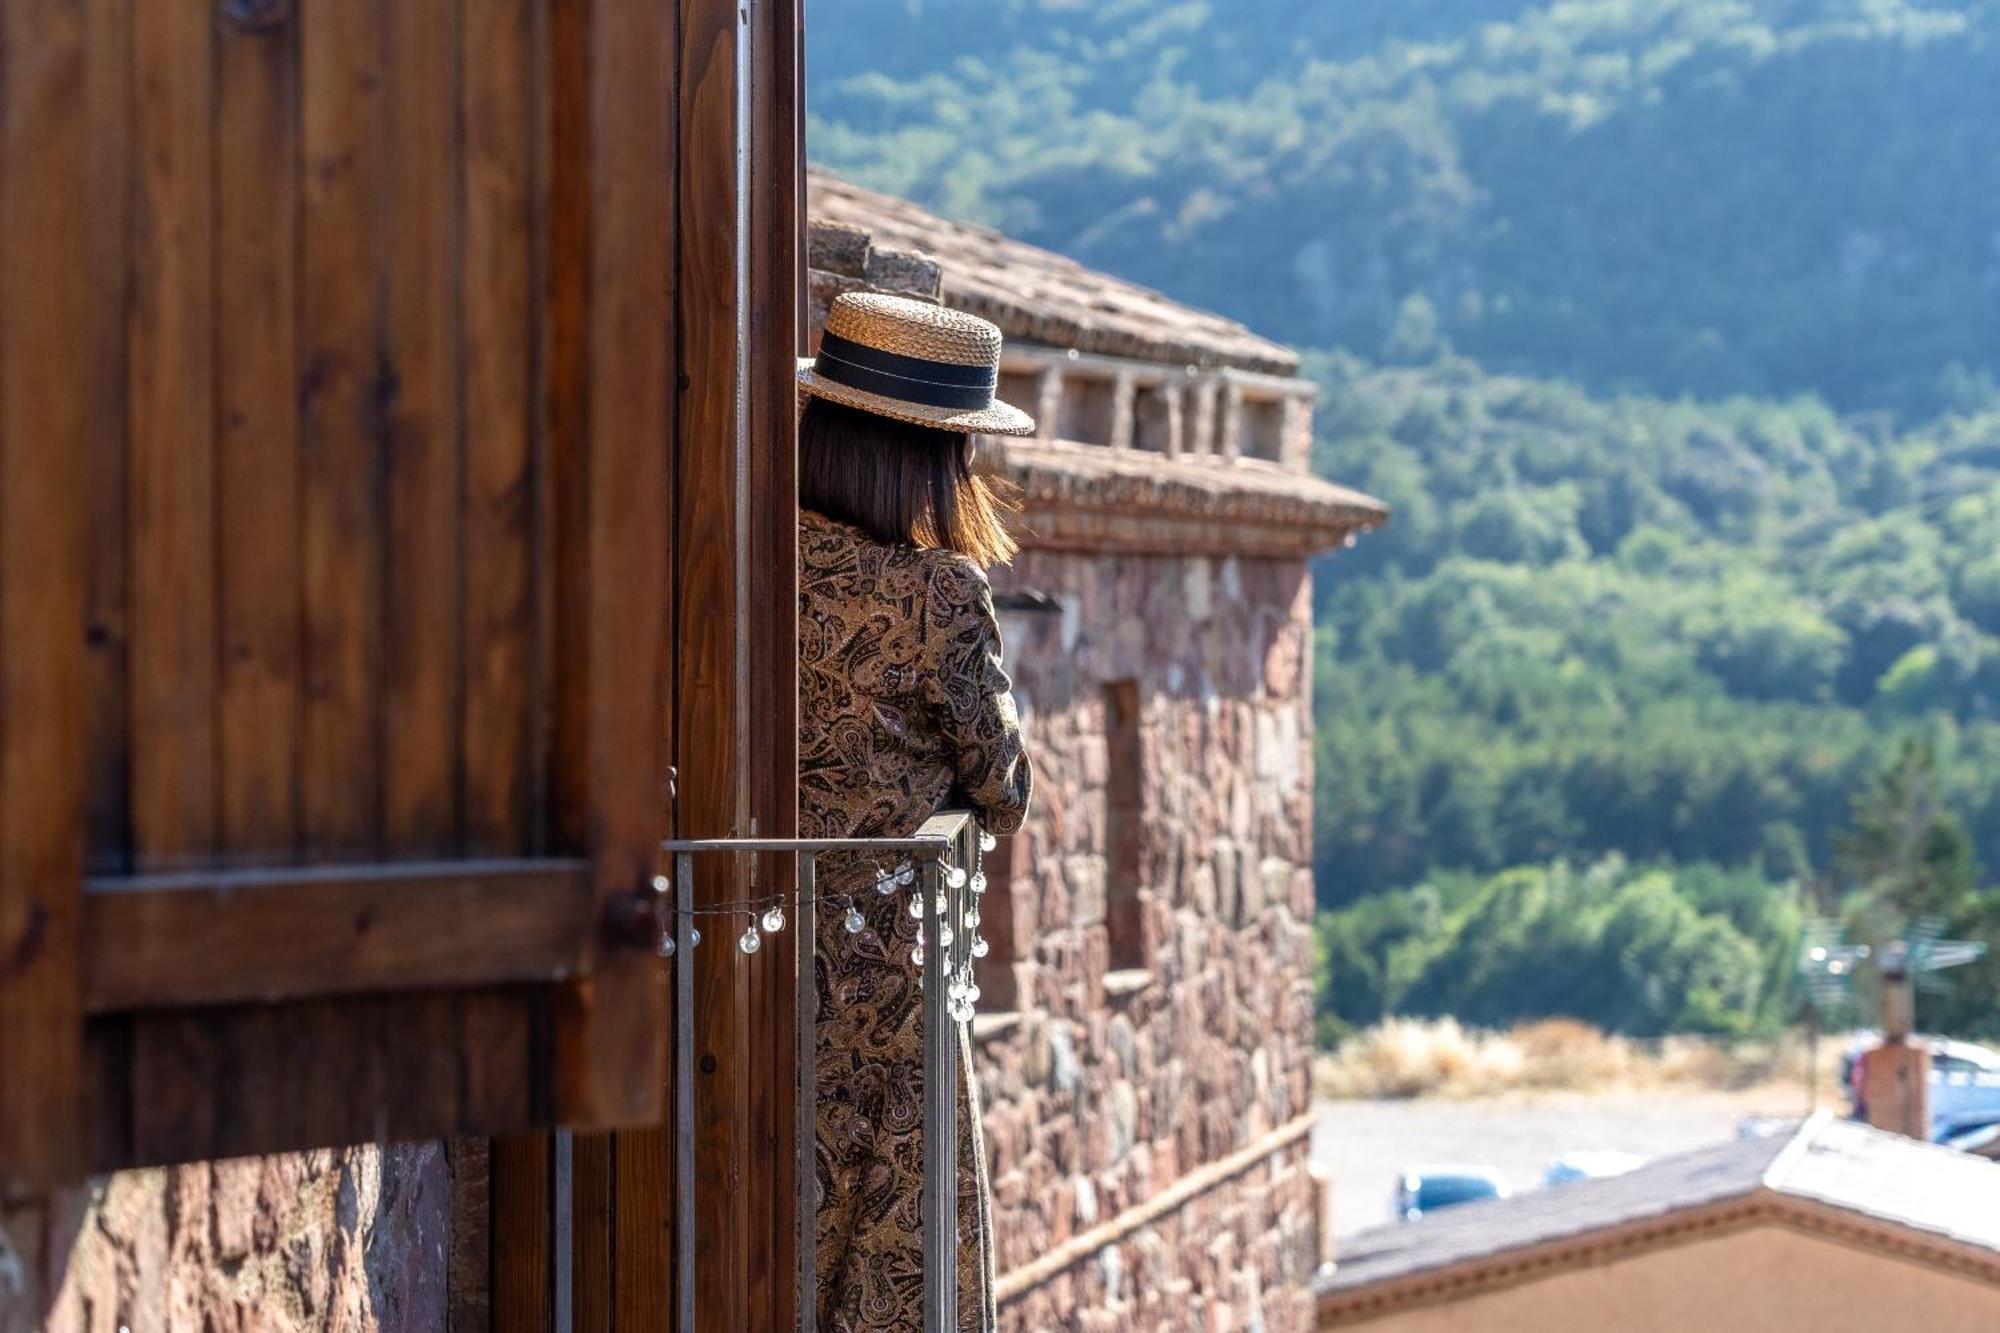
pixel 1036 295
pixel 1896 1192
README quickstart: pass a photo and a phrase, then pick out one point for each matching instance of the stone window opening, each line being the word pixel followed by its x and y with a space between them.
pixel 1263 428
pixel 1124 834
pixel 1153 419
pixel 1089 410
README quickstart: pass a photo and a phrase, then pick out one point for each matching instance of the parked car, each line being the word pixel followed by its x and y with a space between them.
pixel 1965 1085
pixel 1598 1164
pixel 1425 1189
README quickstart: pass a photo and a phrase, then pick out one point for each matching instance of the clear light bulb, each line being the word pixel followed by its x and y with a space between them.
pixel 751 941
pixel 980 948
pixel 987 842
pixel 855 923
pixel 774 919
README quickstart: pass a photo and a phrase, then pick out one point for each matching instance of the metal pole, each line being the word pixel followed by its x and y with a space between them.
pixel 940 1257
pixel 684 948
pixel 564 1233
pixel 807 946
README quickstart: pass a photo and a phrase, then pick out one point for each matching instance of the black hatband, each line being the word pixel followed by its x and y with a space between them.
pixel 913 379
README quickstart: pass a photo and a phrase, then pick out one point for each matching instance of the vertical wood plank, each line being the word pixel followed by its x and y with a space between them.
pixel 644 1295
pixel 523 1165
pixel 109 98
pixel 257 491
pixel 776 338
pixel 711 732
pixel 594 1253
pixel 172 439
pixel 43 389
pixel 499 109
pixel 642 1190
pixel 418 397
pixel 342 399
pixel 520 1276
pixel 617 1071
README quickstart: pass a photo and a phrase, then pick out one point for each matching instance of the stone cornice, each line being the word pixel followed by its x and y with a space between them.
pixel 1079 497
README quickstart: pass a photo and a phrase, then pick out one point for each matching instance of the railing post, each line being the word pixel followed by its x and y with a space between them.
pixel 684 1232
pixel 944 849
pixel 807 945
pixel 940 1220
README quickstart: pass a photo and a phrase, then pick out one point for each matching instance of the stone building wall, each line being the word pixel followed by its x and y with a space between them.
pixel 349 1240
pixel 1101 1097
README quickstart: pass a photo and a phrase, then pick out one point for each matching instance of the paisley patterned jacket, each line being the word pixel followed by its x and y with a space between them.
pixel 904 710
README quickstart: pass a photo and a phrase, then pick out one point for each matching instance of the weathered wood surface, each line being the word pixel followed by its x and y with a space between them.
pixel 338 429
pixel 713 729
pixel 45 329
pixel 775 339
pixel 373 385
pixel 176 941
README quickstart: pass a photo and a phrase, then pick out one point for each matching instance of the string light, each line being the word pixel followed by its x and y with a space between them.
pixel 766 916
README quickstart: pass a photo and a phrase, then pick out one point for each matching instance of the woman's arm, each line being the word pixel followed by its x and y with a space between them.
pixel 974 699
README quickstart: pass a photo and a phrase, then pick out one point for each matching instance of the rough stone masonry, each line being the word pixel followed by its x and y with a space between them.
pixel 1146 1041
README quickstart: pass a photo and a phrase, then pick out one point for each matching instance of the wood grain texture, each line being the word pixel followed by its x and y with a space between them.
pixel 417 397
pixel 711 731
pixel 108 120
pixel 617 1074
pixel 520 1272
pixel 261 936
pixel 499 106
pixel 43 339
pixel 342 396
pixel 257 483
pixel 776 274
pixel 172 474
pixel 270 1078
pixel 594 1250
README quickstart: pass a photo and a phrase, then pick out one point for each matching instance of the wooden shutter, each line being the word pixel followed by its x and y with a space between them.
pixel 337 414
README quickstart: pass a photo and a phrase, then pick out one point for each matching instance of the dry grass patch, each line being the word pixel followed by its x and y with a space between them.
pixel 1410 1057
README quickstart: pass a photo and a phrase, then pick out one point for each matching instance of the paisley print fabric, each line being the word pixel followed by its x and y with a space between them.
pixel 904 711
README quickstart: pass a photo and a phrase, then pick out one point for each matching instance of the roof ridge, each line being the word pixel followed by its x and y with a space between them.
pixel 1795 1149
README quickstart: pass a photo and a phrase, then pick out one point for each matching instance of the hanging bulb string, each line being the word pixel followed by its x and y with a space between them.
pixel 768 912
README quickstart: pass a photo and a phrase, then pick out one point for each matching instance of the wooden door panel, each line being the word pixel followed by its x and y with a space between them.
pixel 346 428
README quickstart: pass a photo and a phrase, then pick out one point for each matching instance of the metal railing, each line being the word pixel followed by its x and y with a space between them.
pixel 940 863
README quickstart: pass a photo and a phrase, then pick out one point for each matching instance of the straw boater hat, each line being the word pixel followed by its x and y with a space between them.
pixel 914 362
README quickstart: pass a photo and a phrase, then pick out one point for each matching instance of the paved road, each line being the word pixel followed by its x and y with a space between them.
pixel 1365 1143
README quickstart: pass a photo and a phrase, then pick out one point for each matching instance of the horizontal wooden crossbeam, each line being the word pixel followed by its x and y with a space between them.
pixel 261 936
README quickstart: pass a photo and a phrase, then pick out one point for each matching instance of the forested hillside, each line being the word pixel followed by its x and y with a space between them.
pixel 1670 328
pixel 1703 196
pixel 1665 644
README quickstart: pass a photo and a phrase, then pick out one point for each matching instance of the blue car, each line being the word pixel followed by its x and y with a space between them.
pixel 1421 1190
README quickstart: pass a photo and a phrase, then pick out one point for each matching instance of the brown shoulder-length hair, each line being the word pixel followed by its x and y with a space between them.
pixel 900 482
